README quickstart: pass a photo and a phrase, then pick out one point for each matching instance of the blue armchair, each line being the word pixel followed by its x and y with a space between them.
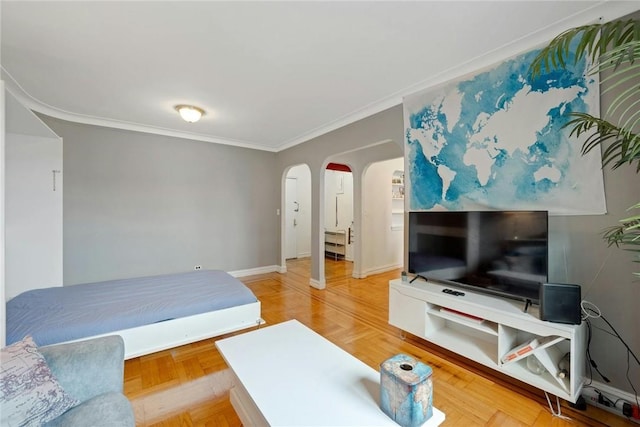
pixel 91 371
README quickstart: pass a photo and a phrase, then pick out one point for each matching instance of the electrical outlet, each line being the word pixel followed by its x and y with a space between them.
pixel 197 267
pixel 635 412
pixel 606 401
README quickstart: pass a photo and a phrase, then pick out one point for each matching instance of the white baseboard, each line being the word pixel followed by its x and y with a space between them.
pixel 381 269
pixel 317 284
pixel 358 275
pixel 611 391
pixel 253 271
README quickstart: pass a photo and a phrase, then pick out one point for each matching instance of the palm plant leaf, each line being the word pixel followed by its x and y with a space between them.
pixel 595 40
pixel 608 46
pixel 622 147
pixel 624 104
pixel 613 49
pixel 626 233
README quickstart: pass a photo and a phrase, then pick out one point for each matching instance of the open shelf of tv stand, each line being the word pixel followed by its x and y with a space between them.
pixel 485 328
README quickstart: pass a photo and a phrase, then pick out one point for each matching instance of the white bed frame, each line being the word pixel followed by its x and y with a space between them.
pixel 148 339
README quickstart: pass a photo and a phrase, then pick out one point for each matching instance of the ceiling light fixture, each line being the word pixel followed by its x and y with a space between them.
pixel 189 113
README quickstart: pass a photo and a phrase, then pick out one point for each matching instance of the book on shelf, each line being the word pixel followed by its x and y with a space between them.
pixel 461 314
pixel 529 347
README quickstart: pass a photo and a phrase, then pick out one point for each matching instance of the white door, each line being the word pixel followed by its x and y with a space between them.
pixel 33 213
pixel 292 207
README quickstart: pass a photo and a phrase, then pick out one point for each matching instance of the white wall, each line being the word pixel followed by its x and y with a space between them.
pixel 138 204
pixel 303 229
pixel 382 245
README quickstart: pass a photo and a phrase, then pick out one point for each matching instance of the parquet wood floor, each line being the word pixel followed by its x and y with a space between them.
pixel 189 385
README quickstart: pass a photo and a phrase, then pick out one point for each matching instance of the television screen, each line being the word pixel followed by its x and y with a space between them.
pixel 498 252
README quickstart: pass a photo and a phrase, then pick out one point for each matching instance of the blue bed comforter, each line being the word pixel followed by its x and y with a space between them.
pixel 59 314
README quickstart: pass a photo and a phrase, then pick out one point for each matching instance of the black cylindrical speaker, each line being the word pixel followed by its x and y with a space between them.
pixel 560 303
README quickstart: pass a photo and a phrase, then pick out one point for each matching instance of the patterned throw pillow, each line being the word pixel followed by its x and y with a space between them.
pixel 29 393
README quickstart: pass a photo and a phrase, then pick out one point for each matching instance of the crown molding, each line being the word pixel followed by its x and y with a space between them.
pixel 602 11
pixel 34 104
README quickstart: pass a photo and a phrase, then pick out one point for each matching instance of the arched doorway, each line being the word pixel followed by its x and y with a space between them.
pixel 296 218
pixel 380 195
pixel 338 221
pixel 383 220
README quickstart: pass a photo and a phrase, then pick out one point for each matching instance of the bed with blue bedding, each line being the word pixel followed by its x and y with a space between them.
pixel 151 313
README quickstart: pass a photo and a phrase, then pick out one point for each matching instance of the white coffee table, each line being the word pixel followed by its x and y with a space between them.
pixel 288 375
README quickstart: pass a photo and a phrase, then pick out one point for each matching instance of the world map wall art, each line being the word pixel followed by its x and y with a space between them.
pixel 495 140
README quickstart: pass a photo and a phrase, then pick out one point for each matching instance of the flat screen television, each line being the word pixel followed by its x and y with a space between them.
pixel 503 253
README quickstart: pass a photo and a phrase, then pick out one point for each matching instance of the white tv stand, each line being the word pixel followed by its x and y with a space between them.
pixel 497 326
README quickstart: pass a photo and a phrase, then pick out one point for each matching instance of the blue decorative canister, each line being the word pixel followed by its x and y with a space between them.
pixel 406 390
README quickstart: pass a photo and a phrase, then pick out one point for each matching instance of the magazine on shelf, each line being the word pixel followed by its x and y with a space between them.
pixel 528 348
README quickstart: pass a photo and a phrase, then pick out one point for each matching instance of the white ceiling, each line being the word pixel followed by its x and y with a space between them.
pixel 269 74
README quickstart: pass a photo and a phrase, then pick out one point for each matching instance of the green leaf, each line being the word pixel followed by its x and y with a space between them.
pixel 612 49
